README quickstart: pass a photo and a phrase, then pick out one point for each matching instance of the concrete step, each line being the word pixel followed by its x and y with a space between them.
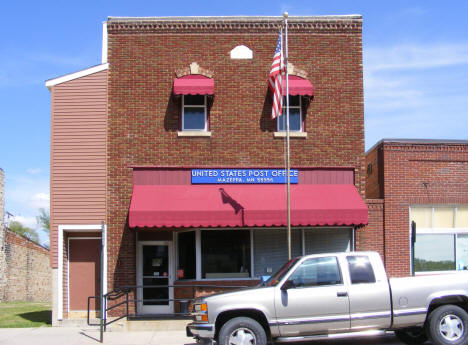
pixel 157 325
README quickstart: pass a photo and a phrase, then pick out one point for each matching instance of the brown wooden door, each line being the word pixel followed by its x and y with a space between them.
pixel 84 272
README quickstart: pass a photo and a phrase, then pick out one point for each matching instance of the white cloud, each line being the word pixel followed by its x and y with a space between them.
pixel 415 56
pixel 40 200
pixel 416 91
pixel 34 171
pixel 29 222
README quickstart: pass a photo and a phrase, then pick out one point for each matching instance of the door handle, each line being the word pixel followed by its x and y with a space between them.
pixel 342 294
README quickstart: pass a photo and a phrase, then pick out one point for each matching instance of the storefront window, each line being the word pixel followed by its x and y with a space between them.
pixel 187 258
pixel 434 253
pixel 441 238
pixel 225 254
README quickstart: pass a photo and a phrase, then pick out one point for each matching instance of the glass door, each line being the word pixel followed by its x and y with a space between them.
pixel 154 270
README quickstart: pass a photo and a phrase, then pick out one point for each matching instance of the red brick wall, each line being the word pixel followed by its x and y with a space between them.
pixel 374 173
pixel 408 167
pixel 371 236
pixel 143 116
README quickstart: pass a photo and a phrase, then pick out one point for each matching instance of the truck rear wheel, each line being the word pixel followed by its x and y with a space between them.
pixel 412 336
pixel 448 325
pixel 242 331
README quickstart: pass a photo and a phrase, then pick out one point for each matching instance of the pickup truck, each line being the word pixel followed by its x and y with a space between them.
pixel 336 295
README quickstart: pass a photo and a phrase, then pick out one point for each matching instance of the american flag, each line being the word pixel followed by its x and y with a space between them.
pixel 276 78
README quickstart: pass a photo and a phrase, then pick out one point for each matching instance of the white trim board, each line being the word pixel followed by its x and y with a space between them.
pixel 76 228
pixel 67 77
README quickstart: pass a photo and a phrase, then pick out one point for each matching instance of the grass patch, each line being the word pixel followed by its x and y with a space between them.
pixel 24 314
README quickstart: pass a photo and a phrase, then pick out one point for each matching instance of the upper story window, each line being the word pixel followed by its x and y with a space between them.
pixel 194 113
pixel 295 115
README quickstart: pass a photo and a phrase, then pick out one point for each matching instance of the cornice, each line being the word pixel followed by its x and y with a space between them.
pixel 117 25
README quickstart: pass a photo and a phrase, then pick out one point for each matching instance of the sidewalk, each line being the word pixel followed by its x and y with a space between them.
pixel 88 335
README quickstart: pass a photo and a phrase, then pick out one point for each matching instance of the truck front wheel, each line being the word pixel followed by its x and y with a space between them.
pixel 448 325
pixel 242 331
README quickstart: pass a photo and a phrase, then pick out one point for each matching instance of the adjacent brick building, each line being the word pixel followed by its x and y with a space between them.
pixel 167 157
pixel 425 181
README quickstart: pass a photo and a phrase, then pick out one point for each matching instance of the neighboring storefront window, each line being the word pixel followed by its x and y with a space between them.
pixel 442 238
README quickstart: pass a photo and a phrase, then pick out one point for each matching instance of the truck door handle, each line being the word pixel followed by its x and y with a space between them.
pixel 342 294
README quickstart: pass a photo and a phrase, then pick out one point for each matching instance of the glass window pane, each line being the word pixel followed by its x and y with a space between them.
pixel 327 240
pixel 444 217
pixel 194 100
pixel 422 216
pixel 187 257
pixel 294 101
pixel 295 123
pixel 462 217
pixel 462 252
pixel 194 118
pixel 225 254
pixel 317 272
pixel 434 253
pixel 360 270
pixel 270 249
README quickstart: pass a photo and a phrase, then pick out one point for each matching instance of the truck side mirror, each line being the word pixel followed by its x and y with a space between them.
pixel 289 284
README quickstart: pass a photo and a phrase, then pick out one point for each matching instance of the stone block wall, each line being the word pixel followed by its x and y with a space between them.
pixel 26 270
pixel 2 233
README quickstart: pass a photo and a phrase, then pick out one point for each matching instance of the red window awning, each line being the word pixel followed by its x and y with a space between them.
pixel 194 84
pixel 298 86
pixel 245 205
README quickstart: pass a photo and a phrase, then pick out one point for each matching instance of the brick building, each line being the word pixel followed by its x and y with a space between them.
pixel 425 181
pixel 167 152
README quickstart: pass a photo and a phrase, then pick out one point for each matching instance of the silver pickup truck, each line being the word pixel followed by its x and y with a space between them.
pixel 336 295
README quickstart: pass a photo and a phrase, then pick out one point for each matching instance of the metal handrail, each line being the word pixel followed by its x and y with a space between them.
pixel 125 290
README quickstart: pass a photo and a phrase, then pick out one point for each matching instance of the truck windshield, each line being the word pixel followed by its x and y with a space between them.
pixel 276 278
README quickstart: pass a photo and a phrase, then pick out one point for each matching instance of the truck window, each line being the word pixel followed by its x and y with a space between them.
pixel 317 272
pixel 360 270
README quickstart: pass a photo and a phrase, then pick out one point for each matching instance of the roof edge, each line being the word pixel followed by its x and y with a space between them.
pixel 235 18
pixel 418 142
pixel 75 75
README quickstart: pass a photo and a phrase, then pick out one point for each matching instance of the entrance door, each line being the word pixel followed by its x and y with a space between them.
pixel 84 275
pixel 155 269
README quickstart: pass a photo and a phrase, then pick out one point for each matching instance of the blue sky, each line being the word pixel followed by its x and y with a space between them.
pixel 415 70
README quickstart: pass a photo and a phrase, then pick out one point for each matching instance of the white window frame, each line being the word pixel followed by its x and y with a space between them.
pixel 205 129
pixel 437 231
pixel 280 118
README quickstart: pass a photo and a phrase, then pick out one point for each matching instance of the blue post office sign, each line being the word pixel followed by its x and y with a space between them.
pixel 242 176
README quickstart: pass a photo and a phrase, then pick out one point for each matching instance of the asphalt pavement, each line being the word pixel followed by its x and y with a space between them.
pixel 80 335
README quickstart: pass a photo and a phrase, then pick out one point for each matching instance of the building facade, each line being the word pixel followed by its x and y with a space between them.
pixel 166 157
pixel 425 181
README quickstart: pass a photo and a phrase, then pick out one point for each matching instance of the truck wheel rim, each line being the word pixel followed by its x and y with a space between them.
pixel 242 336
pixel 451 327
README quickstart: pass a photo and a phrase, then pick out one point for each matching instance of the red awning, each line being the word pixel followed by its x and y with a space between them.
pixel 298 86
pixel 244 205
pixel 193 84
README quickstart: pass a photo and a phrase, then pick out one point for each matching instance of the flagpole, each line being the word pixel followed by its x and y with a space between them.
pixel 288 164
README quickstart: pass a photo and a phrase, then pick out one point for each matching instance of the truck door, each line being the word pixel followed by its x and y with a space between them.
pixel 314 299
pixel 369 295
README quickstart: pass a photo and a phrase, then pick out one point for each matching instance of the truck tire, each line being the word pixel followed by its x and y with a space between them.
pixel 242 331
pixel 412 336
pixel 448 325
